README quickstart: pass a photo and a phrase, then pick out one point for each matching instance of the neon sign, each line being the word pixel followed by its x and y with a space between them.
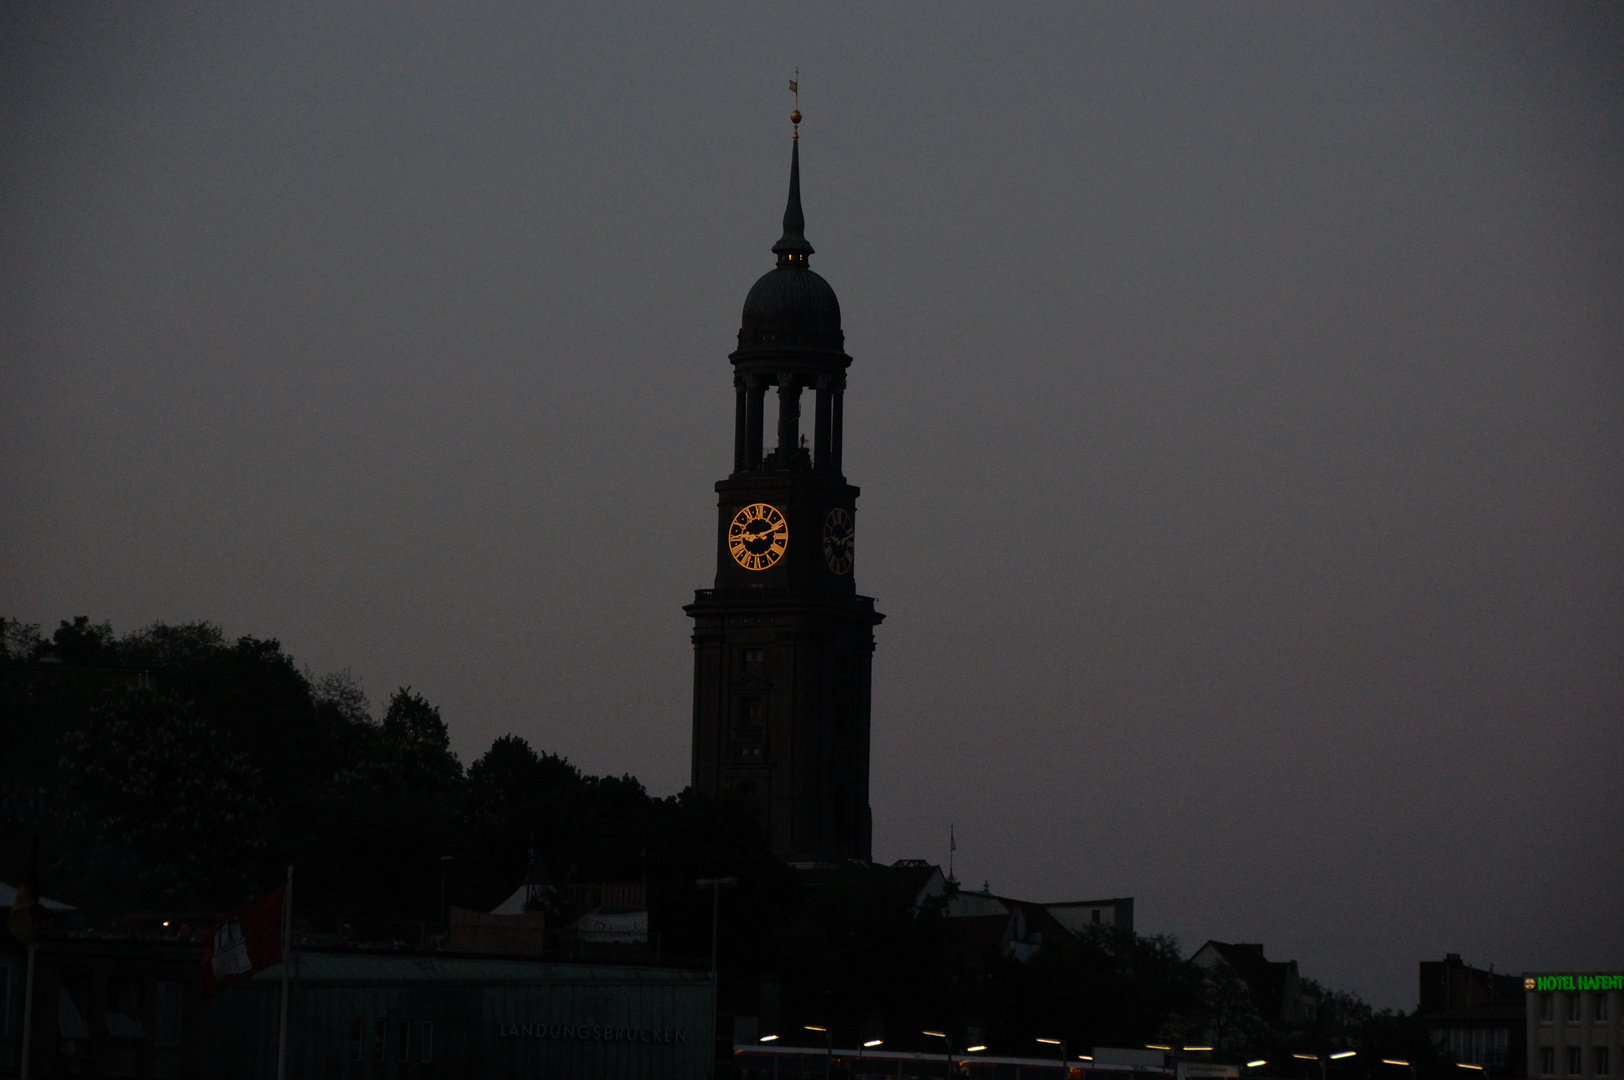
pixel 1574 982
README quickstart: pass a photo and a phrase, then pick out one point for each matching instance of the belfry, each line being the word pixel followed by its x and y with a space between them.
pixel 783 644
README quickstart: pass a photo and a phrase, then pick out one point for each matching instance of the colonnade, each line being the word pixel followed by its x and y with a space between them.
pixel 748 428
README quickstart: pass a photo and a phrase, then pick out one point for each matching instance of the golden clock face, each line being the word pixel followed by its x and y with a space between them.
pixel 839 540
pixel 758 536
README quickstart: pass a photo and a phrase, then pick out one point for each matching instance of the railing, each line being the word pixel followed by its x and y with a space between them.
pixel 765 1060
pixel 585 896
pixel 754 593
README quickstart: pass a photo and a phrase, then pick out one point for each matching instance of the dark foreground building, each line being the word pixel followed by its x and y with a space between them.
pixel 104 1008
pixel 357 1016
pixel 783 643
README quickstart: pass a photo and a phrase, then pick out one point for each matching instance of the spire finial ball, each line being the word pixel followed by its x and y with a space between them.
pixel 795 117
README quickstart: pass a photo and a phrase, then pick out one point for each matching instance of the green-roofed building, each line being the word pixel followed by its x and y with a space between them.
pixel 390 1016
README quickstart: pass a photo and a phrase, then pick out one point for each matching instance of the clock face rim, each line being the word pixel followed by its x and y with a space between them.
pixel 841 565
pixel 777 536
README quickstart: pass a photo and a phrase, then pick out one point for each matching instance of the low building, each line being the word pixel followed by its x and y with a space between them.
pixel 588 914
pixel 1079 915
pixel 1473 1016
pixel 1572 1023
pixel 989 925
pixel 522 934
pixel 1017 929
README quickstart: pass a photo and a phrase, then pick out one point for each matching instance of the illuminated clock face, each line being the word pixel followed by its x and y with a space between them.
pixel 839 540
pixel 758 536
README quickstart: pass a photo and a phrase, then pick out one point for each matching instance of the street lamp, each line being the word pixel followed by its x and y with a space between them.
pixel 1062 1044
pixel 828 1046
pixel 1313 1057
pixel 947 1050
pixel 715 885
pixel 445 912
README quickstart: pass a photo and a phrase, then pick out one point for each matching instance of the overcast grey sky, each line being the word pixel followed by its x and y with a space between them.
pixel 1236 402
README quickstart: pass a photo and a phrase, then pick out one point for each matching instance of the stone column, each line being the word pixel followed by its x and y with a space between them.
pixel 741 425
pixel 820 431
pixel 755 405
pixel 789 419
pixel 838 391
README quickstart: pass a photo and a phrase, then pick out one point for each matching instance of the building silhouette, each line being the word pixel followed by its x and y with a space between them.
pixel 783 643
pixel 1473 1015
pixel 1276 987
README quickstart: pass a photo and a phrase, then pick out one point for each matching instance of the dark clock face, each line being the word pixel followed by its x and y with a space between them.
pixel 839 540
pixel 758 536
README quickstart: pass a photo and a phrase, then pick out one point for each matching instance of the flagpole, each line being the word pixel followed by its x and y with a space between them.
pixel 287 964
pixel 28 1010
pixel 23 922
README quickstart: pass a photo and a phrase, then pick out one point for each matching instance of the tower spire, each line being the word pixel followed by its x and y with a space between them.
pixel 795 117
pixel 792 248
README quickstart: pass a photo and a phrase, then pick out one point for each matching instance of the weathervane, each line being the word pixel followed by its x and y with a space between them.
pixel 795 117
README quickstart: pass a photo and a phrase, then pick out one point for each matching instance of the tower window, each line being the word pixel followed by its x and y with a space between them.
pixel 752 714
pixel 749 728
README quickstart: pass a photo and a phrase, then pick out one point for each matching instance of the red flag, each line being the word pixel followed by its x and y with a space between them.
pixel 247 940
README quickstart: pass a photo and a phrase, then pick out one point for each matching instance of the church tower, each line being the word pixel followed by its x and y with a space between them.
pixel 783 644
